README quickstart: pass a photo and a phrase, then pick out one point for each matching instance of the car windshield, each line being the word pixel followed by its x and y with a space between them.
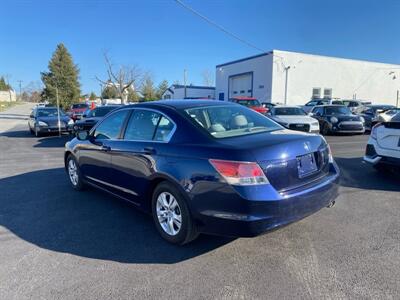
pixel 337 110
pixel 99 111
pixel 79 106
pixel 49 112
pixel 289 111
pixel 230 121
pixel 245 102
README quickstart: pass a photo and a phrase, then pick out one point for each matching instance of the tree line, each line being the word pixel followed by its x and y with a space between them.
pixel 127 83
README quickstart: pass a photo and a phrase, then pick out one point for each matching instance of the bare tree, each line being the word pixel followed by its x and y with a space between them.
pixel 122 78
pixel 208 77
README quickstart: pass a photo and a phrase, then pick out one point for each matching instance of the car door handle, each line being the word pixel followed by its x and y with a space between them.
pixel 149 150
pixel 105 148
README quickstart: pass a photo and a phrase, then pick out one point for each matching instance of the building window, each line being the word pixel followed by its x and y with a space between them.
pixel 221 96
pixel 328 93
pixel 235 92
pixel 261 86
pixel 167 97
pixel 316 93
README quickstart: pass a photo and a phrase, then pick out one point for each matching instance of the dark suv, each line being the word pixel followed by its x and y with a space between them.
pixel 337 119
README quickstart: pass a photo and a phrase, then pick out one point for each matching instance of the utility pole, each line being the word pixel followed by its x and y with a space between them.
pixel 184 83
pixel 20 89
pixel 286 82
pixel 58 113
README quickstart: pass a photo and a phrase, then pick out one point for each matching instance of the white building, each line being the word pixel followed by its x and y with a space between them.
pixel 297 77
pixel 8 96
pixel 178 91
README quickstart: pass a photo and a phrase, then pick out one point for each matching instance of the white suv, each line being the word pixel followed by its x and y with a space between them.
pixel 383 146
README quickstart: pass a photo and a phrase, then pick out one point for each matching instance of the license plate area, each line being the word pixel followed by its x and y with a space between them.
pixel 306 165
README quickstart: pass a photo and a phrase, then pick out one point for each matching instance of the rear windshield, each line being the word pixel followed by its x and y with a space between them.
pixel 230 121
pixel 288 111
pixel 337 110
pixel 79 105
pixel 100 111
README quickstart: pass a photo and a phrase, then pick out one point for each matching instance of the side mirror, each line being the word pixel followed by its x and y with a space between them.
pixel 82 135
pixel 311 114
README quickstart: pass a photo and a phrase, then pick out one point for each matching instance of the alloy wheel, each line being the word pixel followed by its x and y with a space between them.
pixel 169 213
pixel 73 172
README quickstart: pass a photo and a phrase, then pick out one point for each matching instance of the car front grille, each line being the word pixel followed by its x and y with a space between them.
pixel 300 127
pixel 350 126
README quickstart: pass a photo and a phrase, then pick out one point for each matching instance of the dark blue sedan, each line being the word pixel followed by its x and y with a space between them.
pixel 205 167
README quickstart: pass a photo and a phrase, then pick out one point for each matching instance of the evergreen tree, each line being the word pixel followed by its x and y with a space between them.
pixel 92 96
pixel 109 92
pixel 133 96
pixel 63 76
pixel 162 87
pixel 148 90
pixel 3 85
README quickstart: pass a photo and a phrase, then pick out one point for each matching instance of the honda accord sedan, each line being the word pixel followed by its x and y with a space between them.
pixel 205 167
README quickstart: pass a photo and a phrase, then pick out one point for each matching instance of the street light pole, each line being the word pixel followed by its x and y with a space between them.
pixel 58 113
pixel 20 90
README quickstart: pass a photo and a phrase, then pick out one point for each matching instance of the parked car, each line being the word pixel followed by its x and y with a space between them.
pixel 356 106
pixel 314 102
pixel 337 119
pixel 77 110
pixel 91 117
pixel 383 148
pixel 294 117
pixel 251 103
pixel 371 112
pixel 205 167
pixel 268 105
pixel 45 120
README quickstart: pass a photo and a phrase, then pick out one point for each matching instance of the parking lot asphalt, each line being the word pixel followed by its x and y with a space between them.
pixel 56 243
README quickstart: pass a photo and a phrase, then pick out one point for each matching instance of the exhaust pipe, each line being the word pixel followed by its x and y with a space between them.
pixel 332 203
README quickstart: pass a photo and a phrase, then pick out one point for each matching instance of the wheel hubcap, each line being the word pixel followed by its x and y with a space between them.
pixel 73 172
pixel 169 213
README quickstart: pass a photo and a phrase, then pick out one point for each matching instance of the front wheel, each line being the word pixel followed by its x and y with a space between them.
pixel 74 173
pixel 171 215
pixel 325 129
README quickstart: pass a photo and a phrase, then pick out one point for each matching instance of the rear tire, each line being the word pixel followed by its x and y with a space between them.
pixel 171 215
pixel 74 174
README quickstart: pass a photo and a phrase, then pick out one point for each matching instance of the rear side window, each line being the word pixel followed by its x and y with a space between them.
pixel 146 125
pixel 142 125
pixel 111 127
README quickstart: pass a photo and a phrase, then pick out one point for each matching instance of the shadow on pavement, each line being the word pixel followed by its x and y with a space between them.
pixel 357 174
pixel 41 208
pixel 48 141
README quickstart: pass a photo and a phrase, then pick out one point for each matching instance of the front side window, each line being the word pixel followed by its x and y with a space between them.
pixel 99 112
pixel 230 121
pixel 111 127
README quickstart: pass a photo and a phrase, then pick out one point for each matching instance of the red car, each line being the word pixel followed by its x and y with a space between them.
pixel 251 103
pixel 77 110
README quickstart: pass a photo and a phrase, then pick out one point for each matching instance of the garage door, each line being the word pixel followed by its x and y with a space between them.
pixel 241 85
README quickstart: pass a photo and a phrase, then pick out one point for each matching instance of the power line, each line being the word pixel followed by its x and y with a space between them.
pixel 219 26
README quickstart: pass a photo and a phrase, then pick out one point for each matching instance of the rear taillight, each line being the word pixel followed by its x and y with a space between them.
pixel 240 173
pixel 374 129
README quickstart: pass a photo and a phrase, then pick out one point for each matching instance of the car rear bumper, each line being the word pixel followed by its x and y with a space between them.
pixel 375 155
pixel 257 217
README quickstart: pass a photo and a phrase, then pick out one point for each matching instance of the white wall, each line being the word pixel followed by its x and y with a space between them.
pixel 179 93
pixel 261 67
pixel 346 77
pixel 8 96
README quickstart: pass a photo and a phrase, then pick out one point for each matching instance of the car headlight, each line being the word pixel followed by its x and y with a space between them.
pixel 334 120
pixel 41 123
pixel 362 119
pixel 70 122
pixel 314 124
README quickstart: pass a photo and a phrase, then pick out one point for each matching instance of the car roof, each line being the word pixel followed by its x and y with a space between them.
pixel 288 106
pixel 331 105
pixel 180 104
